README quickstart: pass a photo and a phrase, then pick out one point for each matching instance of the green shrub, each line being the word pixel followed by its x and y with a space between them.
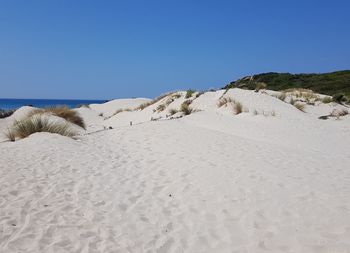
pixel 339 98
pixel 189 93
pixel 327 100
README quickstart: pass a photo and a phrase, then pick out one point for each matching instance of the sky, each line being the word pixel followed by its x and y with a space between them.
pixel 117 49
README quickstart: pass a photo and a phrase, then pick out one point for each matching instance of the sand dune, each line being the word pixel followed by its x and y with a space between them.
pixel 208 182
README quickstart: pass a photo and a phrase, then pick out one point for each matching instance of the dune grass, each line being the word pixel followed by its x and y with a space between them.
pixel 173 111
pixel 237 107
pixel 327 100
pixel 146 104
pixel 299 106
pixel 282 96
pixel 189 93
pixel 260 86
pixel 224 101
pixel 62 112
pixel 185 107
pixel 36 124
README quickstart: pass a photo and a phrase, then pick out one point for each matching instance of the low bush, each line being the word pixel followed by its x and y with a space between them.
pixel 327 100
pixel 189 93
pixel 339 98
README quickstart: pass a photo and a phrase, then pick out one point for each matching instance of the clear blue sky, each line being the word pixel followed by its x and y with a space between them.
pixel 113 49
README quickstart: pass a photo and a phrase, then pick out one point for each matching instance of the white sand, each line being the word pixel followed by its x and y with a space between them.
pixel 208 182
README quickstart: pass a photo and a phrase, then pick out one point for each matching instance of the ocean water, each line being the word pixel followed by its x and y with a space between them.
pixel 9 103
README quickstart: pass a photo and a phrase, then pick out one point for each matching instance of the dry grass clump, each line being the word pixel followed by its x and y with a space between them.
pixel 282 96
pixel 189 93
pixel 171 99
pixel 36 124
pixel 292 101
pixel 223 101
pixel 62 112
pixel 299 106
pixel 161 107
pixel 185 107
pixel 237 107
pixel 327 100
pixel 10 135
pixel 302 94
pixel 121 110
pixel 173 111
pixel 260 86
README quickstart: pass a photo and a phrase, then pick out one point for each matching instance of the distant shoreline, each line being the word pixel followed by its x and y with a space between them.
pixel 14 103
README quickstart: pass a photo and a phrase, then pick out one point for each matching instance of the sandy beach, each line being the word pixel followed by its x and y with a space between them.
pixel 269 179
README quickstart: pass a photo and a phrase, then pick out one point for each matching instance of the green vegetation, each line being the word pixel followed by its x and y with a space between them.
pixel 189 93
pixel 327 83
pixel 327 100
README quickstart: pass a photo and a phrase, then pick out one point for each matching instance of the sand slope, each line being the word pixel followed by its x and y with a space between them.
pixel 208 182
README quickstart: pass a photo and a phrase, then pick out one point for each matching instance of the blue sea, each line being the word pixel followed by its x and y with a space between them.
pixel 9 103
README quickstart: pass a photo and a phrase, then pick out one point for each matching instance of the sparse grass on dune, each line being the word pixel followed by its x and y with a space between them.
pixel 10 135
pixel 224 101
pixel 62 112
pixel 36 124
pixel 173 111
pixel 145 105
pixel 237 107
pixel 120 110
pixel 282 96
pixel 185 107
